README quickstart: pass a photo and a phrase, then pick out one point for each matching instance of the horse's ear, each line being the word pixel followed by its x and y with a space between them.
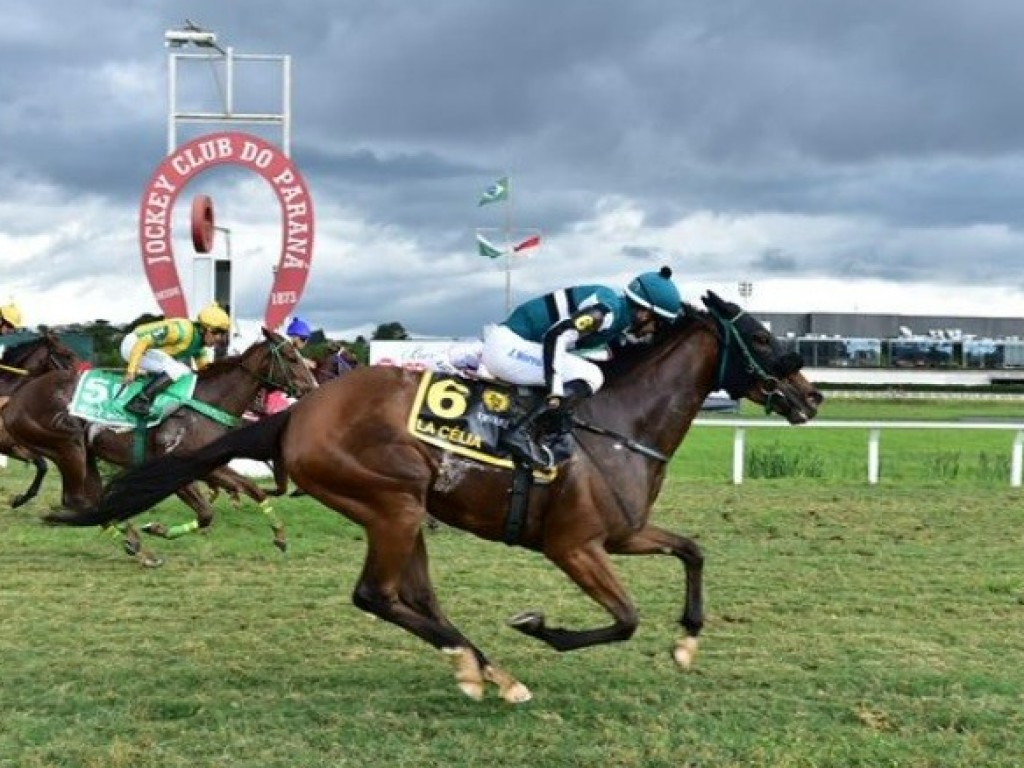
pixel 711 300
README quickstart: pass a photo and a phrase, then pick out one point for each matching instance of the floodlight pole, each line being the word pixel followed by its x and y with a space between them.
pixel 229 60
pixel 224 114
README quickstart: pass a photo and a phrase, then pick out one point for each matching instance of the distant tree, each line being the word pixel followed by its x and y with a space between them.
pixel 106 340
pixel 390 332
pixel 360 348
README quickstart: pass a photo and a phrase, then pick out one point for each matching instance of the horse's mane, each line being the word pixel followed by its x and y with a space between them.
pixel 218 367
pixel 626 358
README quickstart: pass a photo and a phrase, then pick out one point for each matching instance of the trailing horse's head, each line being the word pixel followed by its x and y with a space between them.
pixel 755 364
pixel 287 369
pixel 41 354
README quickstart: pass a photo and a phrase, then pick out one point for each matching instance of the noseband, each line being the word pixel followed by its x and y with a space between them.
pixel 277 362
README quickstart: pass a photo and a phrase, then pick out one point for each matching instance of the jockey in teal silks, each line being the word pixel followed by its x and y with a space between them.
pixel 537 344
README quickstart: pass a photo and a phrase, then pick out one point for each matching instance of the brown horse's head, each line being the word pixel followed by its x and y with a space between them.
pixel 42 354
pixel 754 364
pixel 287 369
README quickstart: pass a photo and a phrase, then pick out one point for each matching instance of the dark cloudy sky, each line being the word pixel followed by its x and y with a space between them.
pixel 845 156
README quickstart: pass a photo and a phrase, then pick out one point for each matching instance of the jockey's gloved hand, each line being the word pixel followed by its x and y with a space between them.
pixel 555 401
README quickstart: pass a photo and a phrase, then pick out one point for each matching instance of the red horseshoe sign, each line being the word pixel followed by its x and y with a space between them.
pixel 189 160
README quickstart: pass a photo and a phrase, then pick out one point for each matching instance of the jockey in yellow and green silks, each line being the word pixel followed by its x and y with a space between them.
pixel 167 348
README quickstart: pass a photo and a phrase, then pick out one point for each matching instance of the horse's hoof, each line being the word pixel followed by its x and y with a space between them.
pixel 132 548
pixel 17 501
pixel 281 545
pixel 150 561
pixel 155 529
pixel 517 694
pixel 528 621
pixel 467 672
pixel 510 689
pixel 472 689
pixel 685 652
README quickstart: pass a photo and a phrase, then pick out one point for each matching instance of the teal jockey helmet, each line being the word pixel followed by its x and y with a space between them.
pixel 656 292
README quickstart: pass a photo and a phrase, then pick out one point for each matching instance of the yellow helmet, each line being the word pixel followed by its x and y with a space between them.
pixel 214 318
pixel 11 315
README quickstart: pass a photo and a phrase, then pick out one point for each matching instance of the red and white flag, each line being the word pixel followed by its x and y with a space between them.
pixel 530 242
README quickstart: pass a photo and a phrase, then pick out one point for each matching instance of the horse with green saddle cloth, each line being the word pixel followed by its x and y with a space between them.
pixel 77 419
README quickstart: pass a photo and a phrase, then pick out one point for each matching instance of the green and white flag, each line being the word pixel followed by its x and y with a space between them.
pixel 487 248
pixel 495 193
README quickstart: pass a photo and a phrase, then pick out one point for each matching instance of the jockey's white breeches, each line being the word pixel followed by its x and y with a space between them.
pixel 154 360
pixel 512 358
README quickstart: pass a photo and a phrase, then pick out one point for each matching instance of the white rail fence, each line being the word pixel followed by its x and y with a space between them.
pixel 874 430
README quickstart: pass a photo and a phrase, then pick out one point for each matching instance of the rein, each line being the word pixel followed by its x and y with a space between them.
pixel 621 441
pixel 267 380
pixel 12 369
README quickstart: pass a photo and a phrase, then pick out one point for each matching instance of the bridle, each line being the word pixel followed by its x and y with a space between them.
pixel 270 380
pixel 729 337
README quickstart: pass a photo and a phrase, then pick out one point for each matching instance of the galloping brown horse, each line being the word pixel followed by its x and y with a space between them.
pixel 19 364
pixel 37 416
pixel 348 446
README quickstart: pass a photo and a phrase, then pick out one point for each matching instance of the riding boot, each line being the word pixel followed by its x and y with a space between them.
pixel 518 441
pixel 558 422
pixel 141 404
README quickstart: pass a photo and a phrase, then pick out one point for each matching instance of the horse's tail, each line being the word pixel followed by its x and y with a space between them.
pixel 137 489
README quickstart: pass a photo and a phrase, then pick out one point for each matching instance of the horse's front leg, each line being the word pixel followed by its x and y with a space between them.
pixel 591 568
pixel 36 461
pixel 651 540
pixel 238 484
pixel 132 544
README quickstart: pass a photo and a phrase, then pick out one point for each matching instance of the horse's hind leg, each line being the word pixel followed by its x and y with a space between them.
pixel 237 484
pixel 395 586
pixel 472 668
pixel 193 497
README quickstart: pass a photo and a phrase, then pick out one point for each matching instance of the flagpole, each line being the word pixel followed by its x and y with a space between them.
pixel 508 247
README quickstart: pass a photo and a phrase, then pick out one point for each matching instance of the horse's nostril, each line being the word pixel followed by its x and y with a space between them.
pixel 816 398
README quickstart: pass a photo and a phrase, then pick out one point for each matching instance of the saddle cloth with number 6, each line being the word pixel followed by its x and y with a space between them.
pixel 468 416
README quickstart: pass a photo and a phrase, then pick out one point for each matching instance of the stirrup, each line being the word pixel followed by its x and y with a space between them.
pixel 139 406
pixel 542 458
pixel 525 450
